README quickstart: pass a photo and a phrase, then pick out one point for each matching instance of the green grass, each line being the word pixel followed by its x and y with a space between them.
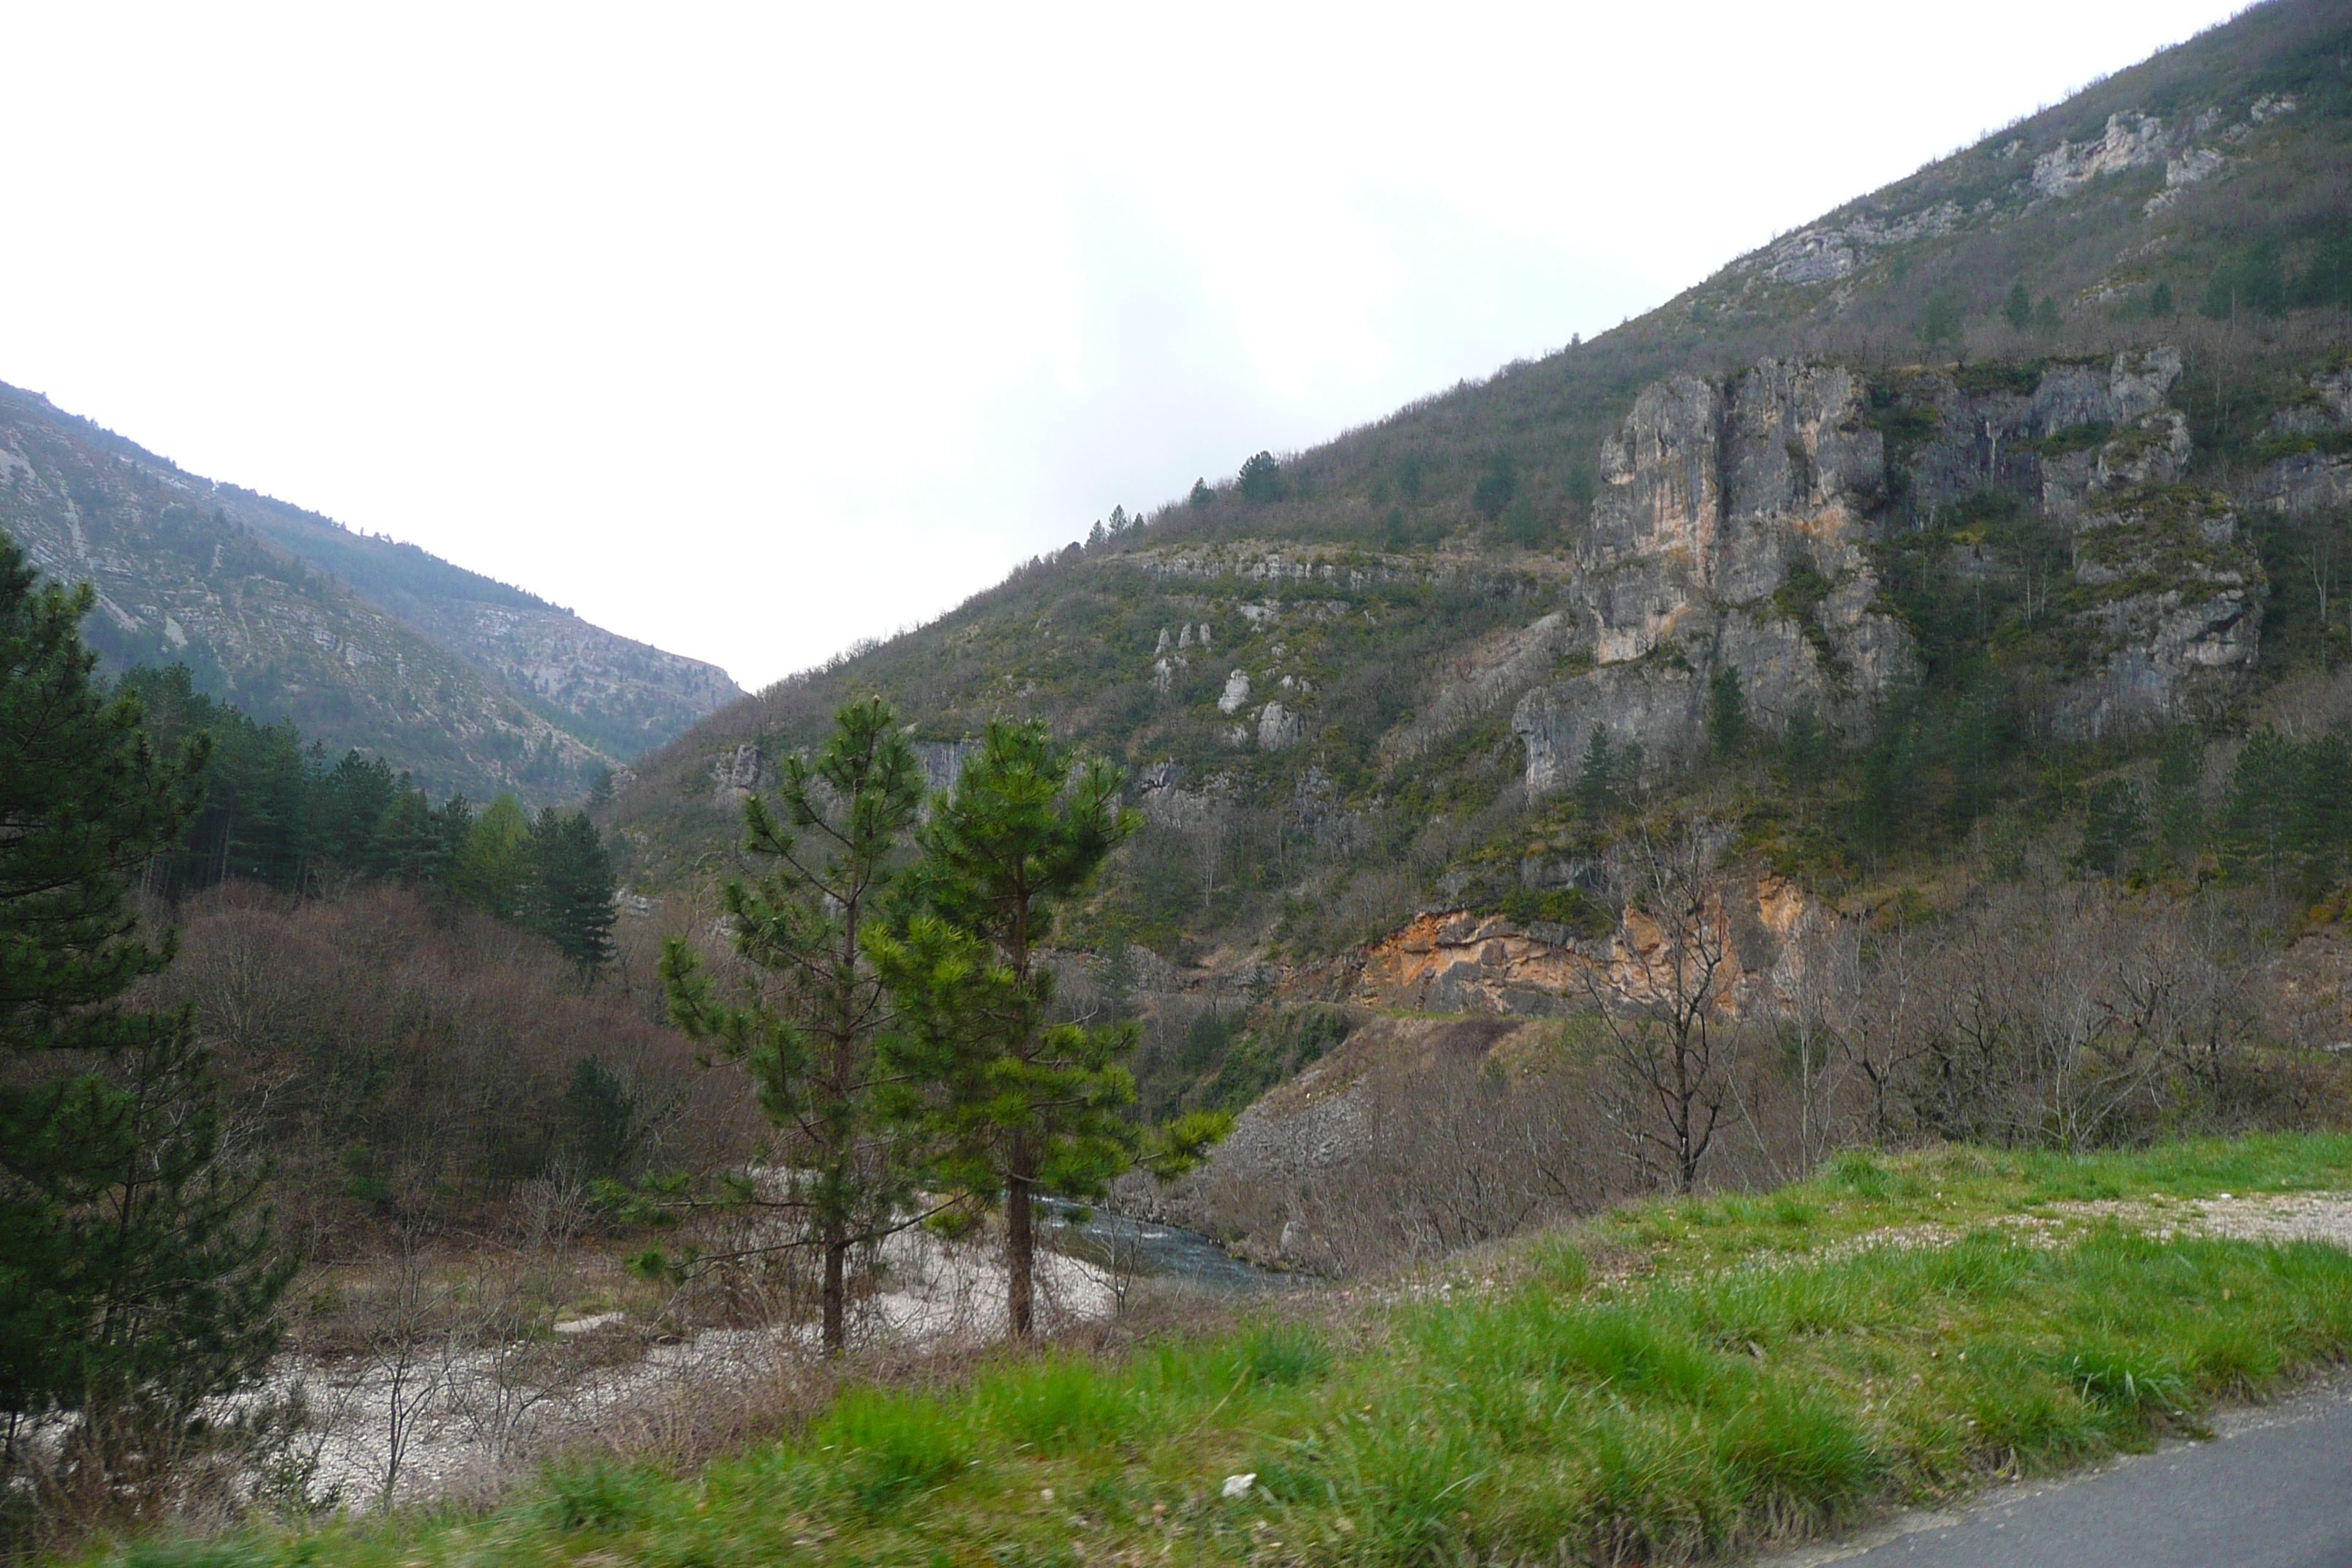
pixel 1668 1381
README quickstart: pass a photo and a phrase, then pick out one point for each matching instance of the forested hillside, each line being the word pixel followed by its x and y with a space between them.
pixel 2127 308
pixel 464 682
pixel 1821 788
pixel 1977 524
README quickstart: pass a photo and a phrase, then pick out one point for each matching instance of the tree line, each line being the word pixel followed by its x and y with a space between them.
pixel 274 811
pixel 138 1276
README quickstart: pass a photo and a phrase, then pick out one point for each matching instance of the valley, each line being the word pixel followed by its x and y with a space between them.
pixel 1739 929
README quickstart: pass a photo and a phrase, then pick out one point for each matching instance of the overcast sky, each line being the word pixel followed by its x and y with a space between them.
pixel 752 330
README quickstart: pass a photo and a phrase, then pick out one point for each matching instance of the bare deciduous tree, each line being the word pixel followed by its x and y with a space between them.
pixel 1674 1032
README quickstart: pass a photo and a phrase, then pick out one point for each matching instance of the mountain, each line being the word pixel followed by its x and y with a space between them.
pixel 1998 524
pixel 1898 532
pixel 466 682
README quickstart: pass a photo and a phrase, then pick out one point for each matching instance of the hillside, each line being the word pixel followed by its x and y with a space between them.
pixel 1907 529
pixel 466 682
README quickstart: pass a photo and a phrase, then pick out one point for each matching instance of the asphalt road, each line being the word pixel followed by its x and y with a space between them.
pixel 2272 1489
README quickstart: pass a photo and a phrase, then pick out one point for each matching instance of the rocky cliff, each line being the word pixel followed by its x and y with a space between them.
pixel 1887 540
pixel 1726 538
pixel 1733 536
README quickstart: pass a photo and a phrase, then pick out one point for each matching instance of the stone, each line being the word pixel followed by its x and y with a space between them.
pixel 2175 618
pixel 2131 141
pixel 741 770
pixel 943 762
pixel 1278 727
pixel 1236 692
pixel 1710 499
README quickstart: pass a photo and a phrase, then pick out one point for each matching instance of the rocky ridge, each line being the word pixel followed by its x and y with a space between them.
pixel 468 684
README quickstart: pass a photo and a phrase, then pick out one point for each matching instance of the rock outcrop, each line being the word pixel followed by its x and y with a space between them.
pixel 1458 961
pixel 2175 612
pixel 1727 536
pixel 1732 536
pixel 2309 444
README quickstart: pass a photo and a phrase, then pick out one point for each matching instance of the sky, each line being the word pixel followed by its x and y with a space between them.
pixel 751 331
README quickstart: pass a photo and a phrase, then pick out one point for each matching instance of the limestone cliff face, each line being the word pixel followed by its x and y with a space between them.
pixel 1732 531
pixel 2310 448
pixel 1726 534
pixel 2175 608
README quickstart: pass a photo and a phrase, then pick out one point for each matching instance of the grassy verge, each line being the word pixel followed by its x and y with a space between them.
pixel 1666 1381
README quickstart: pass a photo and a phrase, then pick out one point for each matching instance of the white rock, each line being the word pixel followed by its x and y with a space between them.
pixel 1239 1486
pixel 1278 727
pixel 1237 691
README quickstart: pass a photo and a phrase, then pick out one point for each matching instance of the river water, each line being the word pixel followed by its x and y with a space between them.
pixel 1116 1242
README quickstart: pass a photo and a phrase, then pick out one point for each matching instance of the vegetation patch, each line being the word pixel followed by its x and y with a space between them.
pixel 1674 1380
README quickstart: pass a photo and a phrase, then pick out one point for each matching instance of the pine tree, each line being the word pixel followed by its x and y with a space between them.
pixel 1017 1104
pixel 569 896
pixel 492 871
pixel 2257 836
pixel 416 845
pixel 2322 836
pixel 132 1281
pixel 1727 711
pixel 352 801
pixel 1596 780
pixel 2018 308
pixel 806 1025
pixel 2115 822
pixel 2179 808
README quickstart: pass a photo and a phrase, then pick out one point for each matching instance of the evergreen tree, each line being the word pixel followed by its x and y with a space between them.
pixel 132 1284
pixel 2179 805
pixel 808 1019
pixel 492 871
pixel 2323 826
pixel 571 892
pixel 1596 779
pixel 1727 711
pixel 2047 319
pixel 1119 978
pixel 352 802
pixel 2115 822
pixel 2018 308
pixel 416 845
pixel 1017 1104
pixel 2258 837
pixel 1803 746
pixel 601 792
pixel 1261 479
pixel 600 1112
pixel 1940 320
pixel 1499 481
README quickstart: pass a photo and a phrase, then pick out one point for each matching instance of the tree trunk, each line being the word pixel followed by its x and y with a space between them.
pixel 1020 1260
pixel 836 1288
